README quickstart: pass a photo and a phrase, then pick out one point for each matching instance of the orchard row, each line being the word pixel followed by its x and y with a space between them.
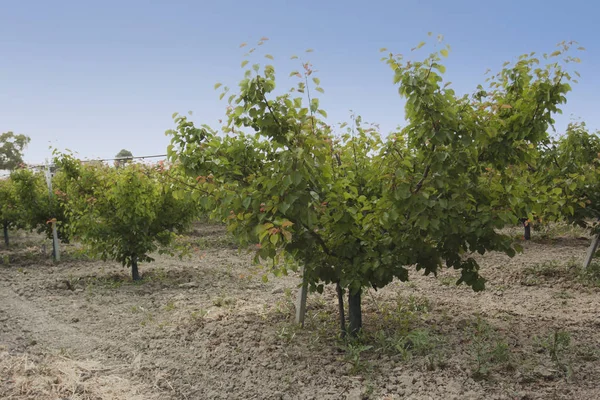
pixel 347 205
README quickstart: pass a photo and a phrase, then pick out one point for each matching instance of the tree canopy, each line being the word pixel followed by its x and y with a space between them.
pixel 354 208
pixel 11 149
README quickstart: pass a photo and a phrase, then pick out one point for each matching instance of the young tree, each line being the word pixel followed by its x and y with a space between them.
pixel 34 203
pixel 563 180
pixel 123 214
pixel 357 210
pixel 10 212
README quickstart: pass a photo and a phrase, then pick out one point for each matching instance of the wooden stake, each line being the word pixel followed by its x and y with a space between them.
pixel 55 243
pixel 301 301
pixel 591 251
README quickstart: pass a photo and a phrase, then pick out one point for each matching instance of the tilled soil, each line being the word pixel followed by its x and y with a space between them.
pixel 209 328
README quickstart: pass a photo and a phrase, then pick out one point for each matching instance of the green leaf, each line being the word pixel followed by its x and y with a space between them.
pixel 244 63
pixel 319 89
pixel 270 57
pixel 444 52
pixel 274 239
pixel 296 177
pixel 323 113
pixel 246 202
pixel 218 85
pixel 420 45
pixel 314 104
pixel 284 206
pixel 316 80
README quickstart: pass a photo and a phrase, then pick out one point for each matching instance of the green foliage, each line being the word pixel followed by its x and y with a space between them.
pixel 123 214
pixel 11 149
pixel 355 208
pixel 557 344
pixel 562 179
pixel 487 348
pixel 354 349
pixel 36 208
pixel 10 210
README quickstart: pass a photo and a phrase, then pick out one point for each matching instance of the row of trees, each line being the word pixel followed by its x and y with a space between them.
pixel 350 207
pixel 123 214
pixel 358 210
pixel 25 203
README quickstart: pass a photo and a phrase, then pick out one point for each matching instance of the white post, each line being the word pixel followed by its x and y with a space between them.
pixel 55 243
pixel 591 251
pixel 301 301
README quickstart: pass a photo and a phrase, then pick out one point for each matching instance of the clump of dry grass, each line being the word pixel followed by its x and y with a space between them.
pixel 52 377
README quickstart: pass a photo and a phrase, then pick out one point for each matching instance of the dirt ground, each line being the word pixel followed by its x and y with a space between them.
pixel 209 328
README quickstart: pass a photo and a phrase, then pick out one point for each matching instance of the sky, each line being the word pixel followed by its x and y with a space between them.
pixel 96 77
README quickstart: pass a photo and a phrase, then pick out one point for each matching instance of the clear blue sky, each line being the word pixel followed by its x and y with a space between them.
pixel 99 76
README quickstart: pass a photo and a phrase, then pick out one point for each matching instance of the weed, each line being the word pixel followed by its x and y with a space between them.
pixel 418 342
pixel 223 301
pixel 199 314
pixel 354 348
pixel 556 345
pixel 552 270
pixel 588 353
pixel 197 318
pixel 135 309
pixel 156 275
pixel 414 304
pixel 170 305
pixel 147 319
pixel 287 333
pixel 563 294
pixel 488 350
pixel 591 275
pixel 448 281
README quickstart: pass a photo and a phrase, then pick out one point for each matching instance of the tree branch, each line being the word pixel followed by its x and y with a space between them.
pixel 420 183
pixel 425 174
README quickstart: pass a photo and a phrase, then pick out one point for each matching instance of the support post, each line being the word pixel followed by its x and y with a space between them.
pixel 55 243
pixel 301 301
pixel 591 251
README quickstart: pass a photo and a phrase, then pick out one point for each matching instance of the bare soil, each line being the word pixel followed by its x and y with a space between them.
pixel 208 327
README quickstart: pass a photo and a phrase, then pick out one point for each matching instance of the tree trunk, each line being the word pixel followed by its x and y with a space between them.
pixel 354 312
pixel 6 241
pixel 527 227
pixel 134 269
pixel 340 295
pixel 527 232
